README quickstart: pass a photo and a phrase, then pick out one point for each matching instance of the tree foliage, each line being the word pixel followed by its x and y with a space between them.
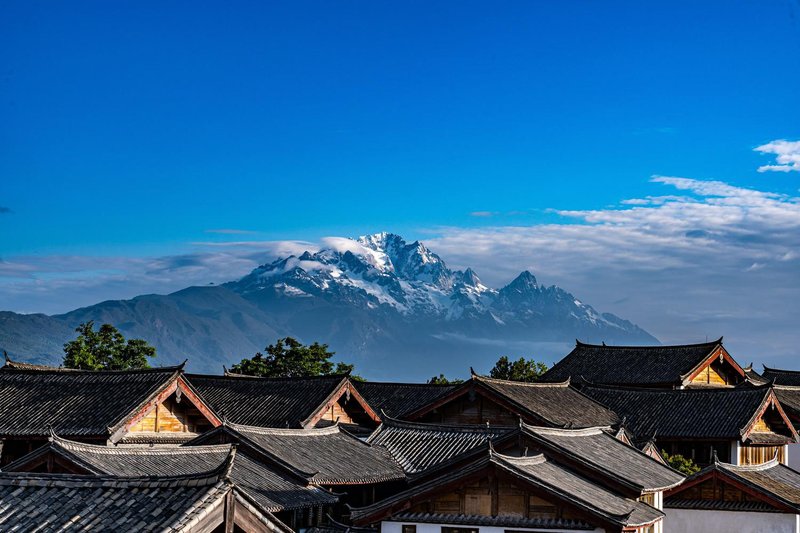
pixel 680 463
pixel 520 370
pixel 288 357
pixel 441 379
pixel 105 349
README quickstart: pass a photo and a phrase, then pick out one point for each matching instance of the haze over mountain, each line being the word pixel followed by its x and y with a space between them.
pixel 393 308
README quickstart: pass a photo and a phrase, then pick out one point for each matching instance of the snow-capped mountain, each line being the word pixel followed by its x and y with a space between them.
pixel 384 271
pixel 392 307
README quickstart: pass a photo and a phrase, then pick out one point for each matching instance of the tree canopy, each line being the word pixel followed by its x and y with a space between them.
pixel 680 463
pixel 520 370
pixel 105 349
pixel 288 357
pixel 441 379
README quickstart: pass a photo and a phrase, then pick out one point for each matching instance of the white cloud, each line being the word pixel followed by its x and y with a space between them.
pixel 714 260
pixel 787 152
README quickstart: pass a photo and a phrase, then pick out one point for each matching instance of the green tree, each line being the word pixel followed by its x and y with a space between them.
pixel 290 358
pixel 519 370
pixel 441 379
pixel 105 349
pixel 680 463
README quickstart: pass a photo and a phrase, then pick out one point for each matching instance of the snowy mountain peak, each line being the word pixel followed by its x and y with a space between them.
pixel 525 282
pixel 470 278
pixel 383 272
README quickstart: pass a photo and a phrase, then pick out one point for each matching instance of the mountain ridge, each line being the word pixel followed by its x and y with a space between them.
pixel 374 299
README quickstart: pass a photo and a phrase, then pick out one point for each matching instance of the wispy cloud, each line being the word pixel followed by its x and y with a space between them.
pixel 787 152
pixel 713 259
pixel 484 214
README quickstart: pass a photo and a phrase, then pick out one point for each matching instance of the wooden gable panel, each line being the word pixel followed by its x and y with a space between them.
pixel 171 416
pixel 492 497
pixel 472 409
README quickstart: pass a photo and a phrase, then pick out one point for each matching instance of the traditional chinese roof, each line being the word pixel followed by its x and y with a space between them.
pixel 59 502
pixel 397 399
pixel 724 413
pixel 635 365
pixel 507 522
pixel 789 396
pixel 273 489
pixel 75 403
pixel 772 482
pixel 324 456
pixel 555 481
pixel 269 402
pixel 782 377
pixel 596 450
pixel 417 447
pixel 553 404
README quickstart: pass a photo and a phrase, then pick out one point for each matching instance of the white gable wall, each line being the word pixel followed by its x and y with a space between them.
pixel 397 527
pixel 697 521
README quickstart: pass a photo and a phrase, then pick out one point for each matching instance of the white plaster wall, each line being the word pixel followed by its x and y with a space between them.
pixel 397 527
pixel 695 521
pixel 793 454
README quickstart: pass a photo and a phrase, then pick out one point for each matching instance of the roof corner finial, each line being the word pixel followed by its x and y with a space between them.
pixel 224 370
pixel 51 432
pixel 472 373
pixel 716 458
pixel 603 343
pixel 182 365
pixel 5 355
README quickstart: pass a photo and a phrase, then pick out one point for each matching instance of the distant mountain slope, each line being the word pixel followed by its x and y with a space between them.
pixel 393 307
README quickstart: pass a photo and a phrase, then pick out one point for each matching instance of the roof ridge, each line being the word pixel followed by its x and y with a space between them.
pixel 264 378
pixel 524 460
pixel 405 384
pixel 72 445
pixel 579 432
pixel 207 478
pixel 772 463
pixel 687 390
pixel 779 370
pixel 489 379
pixel 302 432
pixel 650 346
pixel 42 369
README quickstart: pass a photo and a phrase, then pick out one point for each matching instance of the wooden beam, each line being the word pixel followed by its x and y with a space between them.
pixel 230 511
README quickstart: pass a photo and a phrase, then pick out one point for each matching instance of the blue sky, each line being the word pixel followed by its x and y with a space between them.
pixel 132 131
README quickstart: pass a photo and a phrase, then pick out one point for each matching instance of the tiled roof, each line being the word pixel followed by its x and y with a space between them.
pixel 789 396
pixel 782 377
pixel 398 399
pixel 772 479
pixel 266 402
pixel 493 521
pixel 131 460
pixel 554 480
pixel 58 502
pixel 324 456
pixel 270 487
pixel 556 404
pixel 631 365
pixel 722 413
pixel 417 447
pixel 599 451
pixel 75 403
pixel 554 477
